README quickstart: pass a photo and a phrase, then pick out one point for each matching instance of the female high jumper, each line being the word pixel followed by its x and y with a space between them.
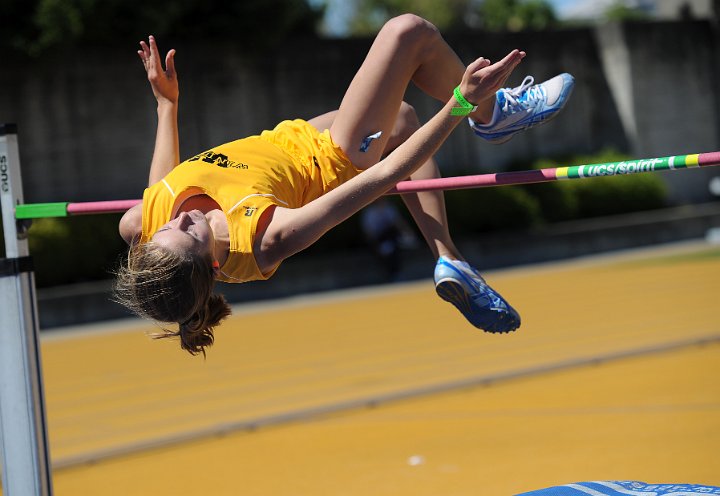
pixel 236 211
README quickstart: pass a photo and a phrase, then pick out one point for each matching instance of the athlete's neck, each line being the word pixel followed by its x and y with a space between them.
pixel 219 225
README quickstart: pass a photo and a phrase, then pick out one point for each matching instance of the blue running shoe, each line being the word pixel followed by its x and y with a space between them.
pixel 460 284
pixel 525 106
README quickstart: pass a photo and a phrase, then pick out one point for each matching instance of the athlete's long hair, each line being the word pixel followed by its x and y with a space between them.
pixel 167 286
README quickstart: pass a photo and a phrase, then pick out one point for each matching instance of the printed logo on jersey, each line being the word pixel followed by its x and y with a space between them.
pixel 249 211
pixel 219 159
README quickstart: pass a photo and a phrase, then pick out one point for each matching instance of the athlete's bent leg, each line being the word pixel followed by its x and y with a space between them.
pixel 428 207
pixel 456 281
pixel 406 49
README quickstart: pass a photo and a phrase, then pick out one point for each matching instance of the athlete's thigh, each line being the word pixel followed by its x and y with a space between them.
pixel 373 99
pixel 324 121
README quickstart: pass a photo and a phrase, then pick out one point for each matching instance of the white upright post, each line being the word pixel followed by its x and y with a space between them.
pixel 23 431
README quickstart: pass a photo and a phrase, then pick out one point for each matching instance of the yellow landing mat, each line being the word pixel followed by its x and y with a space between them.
pixel 547 419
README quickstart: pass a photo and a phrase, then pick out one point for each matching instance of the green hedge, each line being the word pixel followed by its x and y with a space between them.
pixel 75 249
pixel 490 209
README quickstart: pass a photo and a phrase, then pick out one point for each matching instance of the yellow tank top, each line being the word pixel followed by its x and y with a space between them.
pixel 289 167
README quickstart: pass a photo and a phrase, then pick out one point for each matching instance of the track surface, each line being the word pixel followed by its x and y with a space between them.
pixel 613 375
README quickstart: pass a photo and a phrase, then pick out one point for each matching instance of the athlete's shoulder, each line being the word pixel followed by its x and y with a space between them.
pixel 131 224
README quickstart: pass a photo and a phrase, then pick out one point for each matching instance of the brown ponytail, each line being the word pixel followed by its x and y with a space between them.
pixel 197 332
pixel 167 286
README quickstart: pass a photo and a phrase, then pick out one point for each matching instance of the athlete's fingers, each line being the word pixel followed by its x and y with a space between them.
pixel 478 64
pixel 501 70
pixel 170 64
pixel 511 61
pixel 154 52
pixel 144 52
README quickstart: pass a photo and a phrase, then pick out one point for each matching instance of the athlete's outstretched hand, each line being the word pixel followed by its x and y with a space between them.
pixel 483 79
pixel 164 83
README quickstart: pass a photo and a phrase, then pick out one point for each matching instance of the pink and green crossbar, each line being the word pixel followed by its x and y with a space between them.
pixel 64 209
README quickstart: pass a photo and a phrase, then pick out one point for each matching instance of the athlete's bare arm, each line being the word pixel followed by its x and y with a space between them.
pixel 166 155
pixel 164 86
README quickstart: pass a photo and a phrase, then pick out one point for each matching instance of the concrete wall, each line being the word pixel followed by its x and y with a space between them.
pixel 87 121
pixel 664 81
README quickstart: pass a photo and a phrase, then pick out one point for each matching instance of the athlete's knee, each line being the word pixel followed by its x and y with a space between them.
pixel 410 29
pixel 407 122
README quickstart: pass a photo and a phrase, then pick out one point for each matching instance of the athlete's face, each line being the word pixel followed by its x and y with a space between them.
pixel 188 232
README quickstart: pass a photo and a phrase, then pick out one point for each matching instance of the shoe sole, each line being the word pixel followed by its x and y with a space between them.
pixel 454 293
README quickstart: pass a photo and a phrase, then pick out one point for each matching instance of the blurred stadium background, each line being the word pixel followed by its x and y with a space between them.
pixel 646 79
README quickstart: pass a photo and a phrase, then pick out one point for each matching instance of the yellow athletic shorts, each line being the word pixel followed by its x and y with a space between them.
pixel 315 152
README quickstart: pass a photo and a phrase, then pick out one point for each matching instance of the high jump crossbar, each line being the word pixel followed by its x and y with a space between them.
pixel 674 162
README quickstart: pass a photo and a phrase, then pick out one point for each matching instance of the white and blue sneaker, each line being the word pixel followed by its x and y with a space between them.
pixel 525 106
pixel 460 284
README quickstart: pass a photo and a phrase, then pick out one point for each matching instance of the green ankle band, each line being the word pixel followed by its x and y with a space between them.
pixel 466 108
